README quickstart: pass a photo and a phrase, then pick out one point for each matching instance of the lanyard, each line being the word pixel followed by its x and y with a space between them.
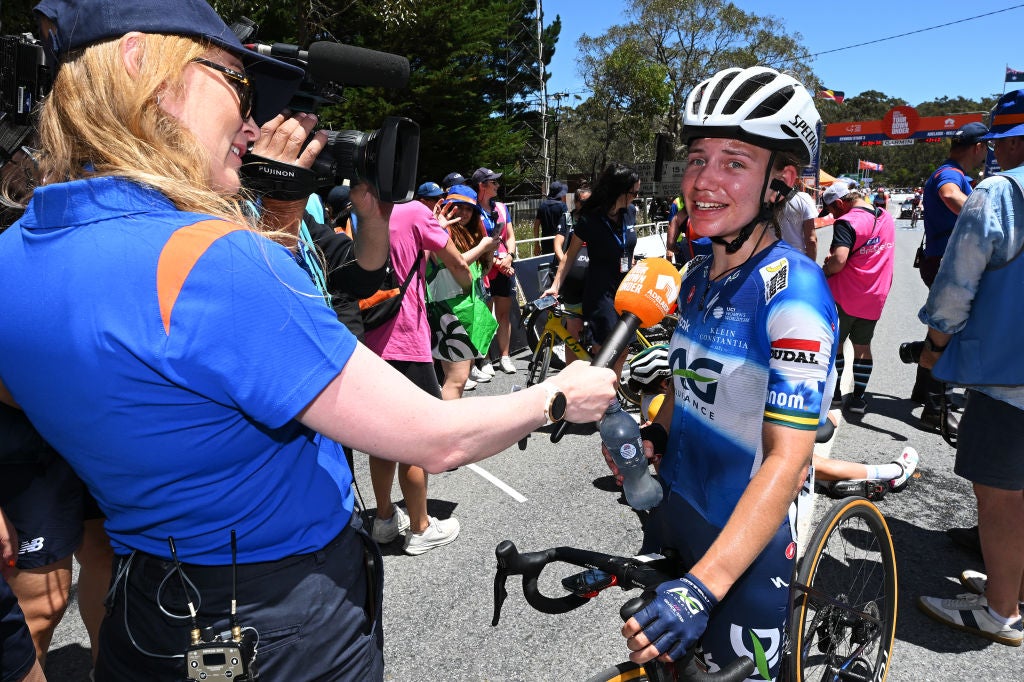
pixel 611 228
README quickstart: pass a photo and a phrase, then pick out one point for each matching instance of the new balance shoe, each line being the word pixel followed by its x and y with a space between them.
pixel 386 530
pixel 438 533
pixel 969 612
pixel 507 365
pixel 479 376
pixel 907 461
pixel 857 404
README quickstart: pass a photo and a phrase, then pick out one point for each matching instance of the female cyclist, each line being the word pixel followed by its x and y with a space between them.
pixel 750 359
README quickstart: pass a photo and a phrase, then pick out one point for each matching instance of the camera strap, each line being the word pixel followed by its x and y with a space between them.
pixel 276 179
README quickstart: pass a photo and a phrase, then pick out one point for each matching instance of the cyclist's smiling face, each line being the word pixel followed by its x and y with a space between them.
pixel 722 183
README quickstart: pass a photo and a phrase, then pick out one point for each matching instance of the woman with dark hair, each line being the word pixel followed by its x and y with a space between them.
pixel 605 225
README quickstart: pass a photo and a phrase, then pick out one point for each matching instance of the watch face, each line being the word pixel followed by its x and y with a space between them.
pixel 557 410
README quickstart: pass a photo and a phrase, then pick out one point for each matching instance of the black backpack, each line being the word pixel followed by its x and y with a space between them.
pixel 387 301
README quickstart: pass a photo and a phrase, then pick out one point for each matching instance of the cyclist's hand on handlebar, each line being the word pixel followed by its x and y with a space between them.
pixel 588 391
pixel 672 623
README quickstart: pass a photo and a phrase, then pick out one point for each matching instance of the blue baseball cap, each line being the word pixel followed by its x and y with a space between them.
pixel 453 179
pixel 1008 116
pixel 429 189
pixel 970 133
pixel 557 190
pixel 79 23
pixel 461 194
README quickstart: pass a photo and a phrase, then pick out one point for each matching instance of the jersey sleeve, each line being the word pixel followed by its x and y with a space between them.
pixel 249 329
pixel 802 326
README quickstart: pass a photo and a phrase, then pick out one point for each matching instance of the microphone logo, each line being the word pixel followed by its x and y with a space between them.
pixel 649 290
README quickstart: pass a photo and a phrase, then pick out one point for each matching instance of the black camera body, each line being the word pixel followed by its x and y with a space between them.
pixel 26 76
pixel 386 158
pixel 910 352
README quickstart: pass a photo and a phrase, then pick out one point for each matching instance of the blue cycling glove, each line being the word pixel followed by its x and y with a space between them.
pixel 678 615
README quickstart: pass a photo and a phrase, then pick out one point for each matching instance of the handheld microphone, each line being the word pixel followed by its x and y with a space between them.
pixel 646 295
pixel 345 64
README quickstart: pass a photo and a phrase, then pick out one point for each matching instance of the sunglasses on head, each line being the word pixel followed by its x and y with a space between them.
pixel 239 82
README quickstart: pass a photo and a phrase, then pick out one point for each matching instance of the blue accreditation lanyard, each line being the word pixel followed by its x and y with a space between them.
pixel 621 241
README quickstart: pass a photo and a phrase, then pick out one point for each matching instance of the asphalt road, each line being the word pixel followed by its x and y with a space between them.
pixel 438 605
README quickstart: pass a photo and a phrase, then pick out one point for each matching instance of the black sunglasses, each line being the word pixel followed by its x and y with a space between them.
pixel 239 82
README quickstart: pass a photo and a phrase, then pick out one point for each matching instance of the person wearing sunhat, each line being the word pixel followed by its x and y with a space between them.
pixel 191 373
pixel 975 318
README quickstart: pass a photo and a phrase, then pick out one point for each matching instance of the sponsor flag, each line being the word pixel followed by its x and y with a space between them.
pixel 1014 76
pixel 869 165
pixel 836 96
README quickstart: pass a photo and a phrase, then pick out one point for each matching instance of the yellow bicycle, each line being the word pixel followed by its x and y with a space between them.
pixel 549 339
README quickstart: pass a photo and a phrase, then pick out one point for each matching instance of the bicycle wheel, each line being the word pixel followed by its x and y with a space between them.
pixel 541 360
pixel 850 568
pixel 535 329
pixel 623 672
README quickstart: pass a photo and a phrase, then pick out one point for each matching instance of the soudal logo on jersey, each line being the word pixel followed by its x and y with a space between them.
pixel 796 350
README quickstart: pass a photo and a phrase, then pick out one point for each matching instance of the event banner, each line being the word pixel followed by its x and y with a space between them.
pixel 900 123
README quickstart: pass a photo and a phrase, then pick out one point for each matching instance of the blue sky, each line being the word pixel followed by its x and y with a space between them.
pixel 967 59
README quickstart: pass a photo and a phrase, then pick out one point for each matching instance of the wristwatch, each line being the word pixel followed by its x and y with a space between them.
pixel 931 346
pixel 554 408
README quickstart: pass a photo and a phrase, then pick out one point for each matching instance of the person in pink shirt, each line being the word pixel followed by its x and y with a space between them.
pixel 404 342
pixel 859 271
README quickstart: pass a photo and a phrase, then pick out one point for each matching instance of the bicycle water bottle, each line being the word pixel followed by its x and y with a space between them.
pixel 621 435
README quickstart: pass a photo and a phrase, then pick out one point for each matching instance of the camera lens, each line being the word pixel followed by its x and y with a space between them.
pixel 910 352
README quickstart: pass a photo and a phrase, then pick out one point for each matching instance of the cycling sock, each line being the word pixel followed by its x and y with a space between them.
pixel 840 366
pixel 861 374
pixel 1000 619
pixel 884 472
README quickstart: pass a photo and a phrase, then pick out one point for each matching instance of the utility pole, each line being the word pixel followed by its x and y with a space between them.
pixel 558 96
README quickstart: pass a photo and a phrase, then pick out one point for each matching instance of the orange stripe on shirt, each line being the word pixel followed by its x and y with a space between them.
pixel 179 255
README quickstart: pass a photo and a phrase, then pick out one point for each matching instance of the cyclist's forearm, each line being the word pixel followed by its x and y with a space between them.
pixel 759 513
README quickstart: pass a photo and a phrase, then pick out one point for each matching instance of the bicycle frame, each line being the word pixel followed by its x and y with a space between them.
pixel 553 329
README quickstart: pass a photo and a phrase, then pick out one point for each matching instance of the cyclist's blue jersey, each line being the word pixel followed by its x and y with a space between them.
pixel 755 346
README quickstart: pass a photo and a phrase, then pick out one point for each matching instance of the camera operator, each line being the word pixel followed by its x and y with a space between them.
pixel 974 315
pixel 202 391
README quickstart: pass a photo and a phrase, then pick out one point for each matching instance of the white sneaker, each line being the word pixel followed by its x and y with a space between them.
pixel 969 612
pixel 470 385
pixel 908 461
pixel 488 369
pixel 507 365
pixel 479 376
pixel 385 531
pixel 437 534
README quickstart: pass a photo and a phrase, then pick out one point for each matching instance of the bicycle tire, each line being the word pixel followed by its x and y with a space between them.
pixel 535 329
pixel 623 672
pixel 851 560
pixel 541 360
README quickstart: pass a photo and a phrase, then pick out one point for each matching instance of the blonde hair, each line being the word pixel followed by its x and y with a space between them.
pixel 100 120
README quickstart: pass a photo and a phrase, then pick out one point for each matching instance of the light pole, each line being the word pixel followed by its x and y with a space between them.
pixel 558 124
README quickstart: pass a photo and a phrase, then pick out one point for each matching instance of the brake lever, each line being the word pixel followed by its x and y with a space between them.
pixel 503 550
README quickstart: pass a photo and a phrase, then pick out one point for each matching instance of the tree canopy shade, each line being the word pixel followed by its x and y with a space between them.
pixel 675 44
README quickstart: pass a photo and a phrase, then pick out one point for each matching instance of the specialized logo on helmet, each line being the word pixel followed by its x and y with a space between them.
pixel 806 131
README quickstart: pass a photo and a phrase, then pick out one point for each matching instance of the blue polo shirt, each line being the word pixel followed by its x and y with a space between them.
pixel 166 354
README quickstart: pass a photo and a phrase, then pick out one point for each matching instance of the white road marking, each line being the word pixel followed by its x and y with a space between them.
pixel 497 482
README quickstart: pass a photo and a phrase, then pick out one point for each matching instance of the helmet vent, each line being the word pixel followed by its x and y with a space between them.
pixel 773 104
pixel 746 92
pixel 716 94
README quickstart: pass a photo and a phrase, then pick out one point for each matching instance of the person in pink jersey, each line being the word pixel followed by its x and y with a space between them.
pixel 404 342
pixel 859 271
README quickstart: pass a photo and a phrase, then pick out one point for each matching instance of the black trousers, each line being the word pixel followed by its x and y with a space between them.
pixel 316 616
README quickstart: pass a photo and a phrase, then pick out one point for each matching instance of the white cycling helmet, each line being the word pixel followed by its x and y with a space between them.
pixel 650 365
pixel 756 105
